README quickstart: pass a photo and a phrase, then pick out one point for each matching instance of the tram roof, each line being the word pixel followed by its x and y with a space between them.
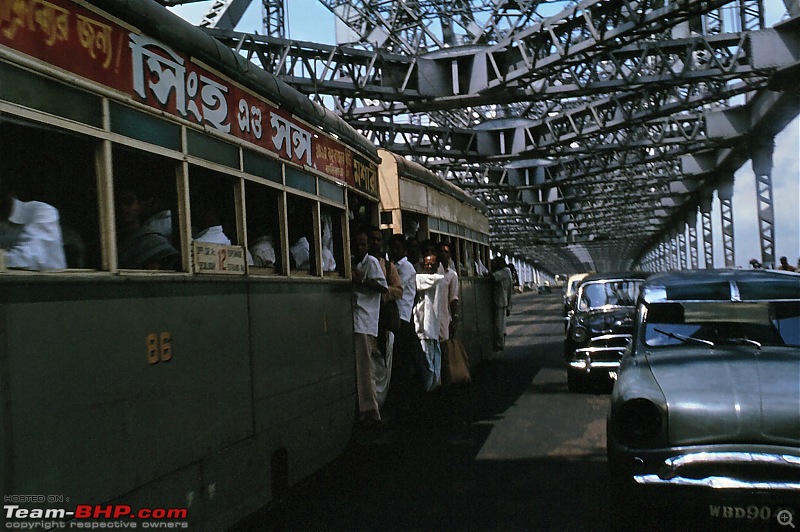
pixel 417 172
pixel 154 20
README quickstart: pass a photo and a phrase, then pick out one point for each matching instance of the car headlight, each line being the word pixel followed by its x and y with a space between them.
pixel 579 334
pixel 640 421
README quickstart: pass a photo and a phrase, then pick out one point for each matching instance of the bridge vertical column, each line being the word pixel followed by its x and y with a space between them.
pixel 707 228
pixel 725 194
pixel 647 260
pixel 667 256
pixel 762 151
pixel 675 252
pixel 691 221
pixel 682 251
pixel 656 256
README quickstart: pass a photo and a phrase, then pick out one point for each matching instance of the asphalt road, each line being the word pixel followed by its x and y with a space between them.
pixel 512 450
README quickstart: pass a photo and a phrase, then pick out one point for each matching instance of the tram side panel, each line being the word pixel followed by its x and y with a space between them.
pixel 476 318
pixel 87 414
pixel 303 374
pixel 90 414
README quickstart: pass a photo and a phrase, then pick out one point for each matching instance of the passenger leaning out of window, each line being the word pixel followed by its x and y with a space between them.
pixel 31 233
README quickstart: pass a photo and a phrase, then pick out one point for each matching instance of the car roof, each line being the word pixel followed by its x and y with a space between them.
pixel 614 276
pixel 722 285
pixel 577 277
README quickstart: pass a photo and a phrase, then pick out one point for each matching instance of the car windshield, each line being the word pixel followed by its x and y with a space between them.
pixel 723 323
pixel 598 294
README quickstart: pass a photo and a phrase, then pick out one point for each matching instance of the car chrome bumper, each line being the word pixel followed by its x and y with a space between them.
pixel 670 471
pixel 586 358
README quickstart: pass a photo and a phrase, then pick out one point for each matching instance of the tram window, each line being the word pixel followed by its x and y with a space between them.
pixel 58 169
pixel 468 258
pixel 146 207
pixel 413 225
pixel 436 237
pixel 212 198
pixel 302 247
pixel 263 223
pixel 458 256
pixel 332 241
pixel 359 213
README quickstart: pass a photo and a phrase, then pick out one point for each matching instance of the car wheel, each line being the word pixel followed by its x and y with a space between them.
pixel 577 381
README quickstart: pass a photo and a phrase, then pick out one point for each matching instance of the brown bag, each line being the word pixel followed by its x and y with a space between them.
pixel 455 364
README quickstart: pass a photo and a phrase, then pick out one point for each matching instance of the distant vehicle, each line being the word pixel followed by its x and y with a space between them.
pixel 544 288
pixel 600 327
pixel 707 404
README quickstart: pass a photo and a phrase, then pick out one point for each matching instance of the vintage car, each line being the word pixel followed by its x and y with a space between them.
pixel 599 327
pixel 707 401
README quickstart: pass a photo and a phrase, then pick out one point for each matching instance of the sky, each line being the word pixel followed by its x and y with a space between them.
pixel 310 21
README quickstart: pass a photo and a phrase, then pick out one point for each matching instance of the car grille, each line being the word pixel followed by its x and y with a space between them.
pixel 605 348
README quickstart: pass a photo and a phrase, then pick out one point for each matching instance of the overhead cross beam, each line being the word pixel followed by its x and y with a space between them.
pixel 573 126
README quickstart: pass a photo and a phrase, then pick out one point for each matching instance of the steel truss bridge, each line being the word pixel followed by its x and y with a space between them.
pixel 598 133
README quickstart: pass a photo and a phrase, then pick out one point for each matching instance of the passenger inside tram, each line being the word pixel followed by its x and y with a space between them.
pixel 31 231
pixel 146 203
pixel 142 229
pixel 328 260
pixel 262 204
pixel 208 227
pixel 302 258
pixel 213 206
pixel 49 167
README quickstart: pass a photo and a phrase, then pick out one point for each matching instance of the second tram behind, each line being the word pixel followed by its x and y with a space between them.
pixel 416 202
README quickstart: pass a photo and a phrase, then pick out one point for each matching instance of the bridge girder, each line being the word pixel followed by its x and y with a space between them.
pixel 570 126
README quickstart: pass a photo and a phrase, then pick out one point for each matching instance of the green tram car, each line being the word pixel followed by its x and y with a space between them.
pixel 417 202
pixel 209 382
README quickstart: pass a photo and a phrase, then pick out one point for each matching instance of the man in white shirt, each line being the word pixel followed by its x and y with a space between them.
pixel 369 283
pixel 263 250
pixel 427 322
pixel 213 235
pixel 38 244
pixel 301 254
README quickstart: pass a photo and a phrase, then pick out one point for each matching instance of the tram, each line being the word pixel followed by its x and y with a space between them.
pixel 196 350
pixel 416 202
